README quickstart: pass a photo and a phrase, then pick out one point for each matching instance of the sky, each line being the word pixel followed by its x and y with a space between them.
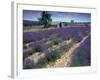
pixel 58 16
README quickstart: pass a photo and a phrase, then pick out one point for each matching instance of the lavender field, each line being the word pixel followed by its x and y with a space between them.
pixel 43 47
pixel 81 56
pixel 56 39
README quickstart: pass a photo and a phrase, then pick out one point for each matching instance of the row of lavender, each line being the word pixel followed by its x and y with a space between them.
pixel 42 41
pixel 36 40
pixel 82 56
pixel 61 32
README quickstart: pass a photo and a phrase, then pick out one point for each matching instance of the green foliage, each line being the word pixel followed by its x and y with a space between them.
pixel 65 23
pixel 41 62
pixel 38 49
pixel 69 46
pixel 53 55
pixel 45 19
pixel 55 40
pixel 28 52
pixel 57 53
pixel 76 40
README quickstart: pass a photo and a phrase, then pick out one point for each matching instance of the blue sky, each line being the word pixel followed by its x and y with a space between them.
pixel 58 16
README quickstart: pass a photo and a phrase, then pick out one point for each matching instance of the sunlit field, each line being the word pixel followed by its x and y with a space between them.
pixel 36 29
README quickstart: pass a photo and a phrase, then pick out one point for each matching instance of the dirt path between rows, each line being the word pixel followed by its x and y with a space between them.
pixel 65 59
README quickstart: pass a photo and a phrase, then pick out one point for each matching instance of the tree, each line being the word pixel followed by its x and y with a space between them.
pixel 45 19
pixel 72 21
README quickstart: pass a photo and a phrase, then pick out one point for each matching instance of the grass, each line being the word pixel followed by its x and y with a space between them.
pixel 36 29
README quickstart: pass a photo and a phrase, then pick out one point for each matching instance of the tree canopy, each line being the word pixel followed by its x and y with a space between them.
pixel 45 19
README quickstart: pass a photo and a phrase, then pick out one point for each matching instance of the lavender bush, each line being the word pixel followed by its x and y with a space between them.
pixel 82 56
pixel 51 43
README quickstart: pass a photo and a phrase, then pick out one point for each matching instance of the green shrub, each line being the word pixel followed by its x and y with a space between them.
pixel 56 41
pixel 76 40
pixel 42 62
pixel 53 55
pixel 28 52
